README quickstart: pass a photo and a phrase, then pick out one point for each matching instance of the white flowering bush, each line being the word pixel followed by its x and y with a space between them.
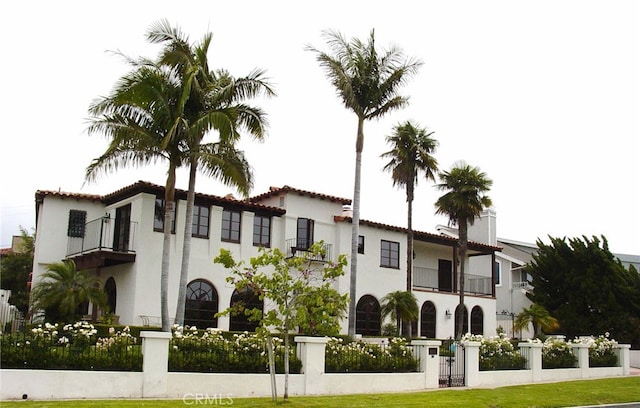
pixel 342 357
pixel 211 350
pixel 74 346
pixel 557 353
pixel 497 353
pixel 602 350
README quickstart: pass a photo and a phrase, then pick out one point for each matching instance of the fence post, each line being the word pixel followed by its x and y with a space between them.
pixel 471 363
pixel 624 358
pixel 428 351
pixel 311 351
pixel 534 359
pixel 582 353
pixel 155 363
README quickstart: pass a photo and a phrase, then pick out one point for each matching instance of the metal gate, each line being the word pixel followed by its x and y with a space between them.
pixel 451 364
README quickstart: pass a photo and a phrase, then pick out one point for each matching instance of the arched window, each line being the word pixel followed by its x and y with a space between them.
pixel 110 290
pixel 248 300
pixel 477 320
pixel 201 305
pixel 465 320
pixel 368 316
pixel 428 320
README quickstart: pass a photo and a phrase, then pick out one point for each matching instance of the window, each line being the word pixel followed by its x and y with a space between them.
pixel 201 304
pixel 200 224
pixel 244 300
pixel 231 226
pixel 497 273
pixel 361 244
pixel 477 320
pixel 368 316
pixel 158 219
pixel 389 254
pixel 77 221
pixel 111 292
pixel 261 231
pixel 428 320
pixel 304 233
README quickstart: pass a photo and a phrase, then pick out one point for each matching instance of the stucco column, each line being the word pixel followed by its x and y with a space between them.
pixel 534 359
pixel 311 351
pixel 155 363
pixel 624 358
pixel 428 351
pixel 582 352
pixel 471 363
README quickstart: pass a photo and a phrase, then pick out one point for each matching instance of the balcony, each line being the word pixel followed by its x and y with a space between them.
pixel 300 247
pixel 105 242
pixel 432 279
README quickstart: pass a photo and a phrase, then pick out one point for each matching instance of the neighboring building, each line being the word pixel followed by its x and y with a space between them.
pixel 119 237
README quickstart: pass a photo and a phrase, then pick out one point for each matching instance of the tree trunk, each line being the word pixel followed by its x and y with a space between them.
pixel 462 243
pixel 186 245
pixel 409 246
pixel 286 366
pixel 272 369
pixel 355 230
pixel 169 198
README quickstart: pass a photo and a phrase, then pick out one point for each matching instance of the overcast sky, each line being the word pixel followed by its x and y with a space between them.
pixel 543 96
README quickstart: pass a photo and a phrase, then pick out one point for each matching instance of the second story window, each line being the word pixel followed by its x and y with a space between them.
pixel 304 236
pixel 262 231
pixel 230 226
pixel 77 221
pixel 389 254
pixel 361 244
pixel 200 224
pixel 158 219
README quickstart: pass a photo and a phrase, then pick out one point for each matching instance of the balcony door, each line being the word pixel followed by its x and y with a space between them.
pixel 122 229
pixel 445 275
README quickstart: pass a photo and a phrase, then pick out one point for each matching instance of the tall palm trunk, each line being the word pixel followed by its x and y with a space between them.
pixel 409 236
pixel 169 198
pixel 462 255
pixel 408 329
pixel 355 229
pixel 186 244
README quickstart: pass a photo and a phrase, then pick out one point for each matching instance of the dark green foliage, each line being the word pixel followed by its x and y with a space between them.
pixel 583 285
pixel 15 269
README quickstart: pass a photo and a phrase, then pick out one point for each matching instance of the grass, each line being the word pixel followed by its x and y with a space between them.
pixel 563 394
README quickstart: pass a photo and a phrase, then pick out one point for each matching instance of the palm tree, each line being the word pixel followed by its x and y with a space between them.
pixel 214 102
pixel 539 317
pixel 410 155
pixel 62 289
pixel 463 201
pixel 401 306
pixel 143 118
pixel 367 81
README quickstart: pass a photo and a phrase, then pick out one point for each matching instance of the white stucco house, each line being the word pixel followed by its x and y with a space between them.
pixel 118 237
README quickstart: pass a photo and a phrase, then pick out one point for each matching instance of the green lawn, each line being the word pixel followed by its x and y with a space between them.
pixel 565 394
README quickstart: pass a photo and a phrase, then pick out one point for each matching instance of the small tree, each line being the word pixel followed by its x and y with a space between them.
pixel 300 294
pixel 401 306
pixel 539 317
pixel 62 289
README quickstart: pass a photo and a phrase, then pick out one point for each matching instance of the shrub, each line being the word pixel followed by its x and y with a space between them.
pixel 361 357
pixel 497 353
pixel 602 350
pixel 557 353
pixel 194 350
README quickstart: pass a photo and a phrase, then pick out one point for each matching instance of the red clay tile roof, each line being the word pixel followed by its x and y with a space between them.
pixel 146 187
pixel 275 191
pixel 421 235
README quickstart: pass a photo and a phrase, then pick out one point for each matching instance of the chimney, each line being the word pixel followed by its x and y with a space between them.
pixel 347 211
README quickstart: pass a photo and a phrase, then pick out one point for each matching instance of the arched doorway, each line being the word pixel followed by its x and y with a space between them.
pixel 465 321
pixel 111 292
pixel 477 320
pixel 428 320
pixel 248 300
pixel 201 304
pixel 368 316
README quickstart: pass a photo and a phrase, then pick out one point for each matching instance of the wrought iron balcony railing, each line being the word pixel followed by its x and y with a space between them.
pixel 103 234
pixel 301 247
